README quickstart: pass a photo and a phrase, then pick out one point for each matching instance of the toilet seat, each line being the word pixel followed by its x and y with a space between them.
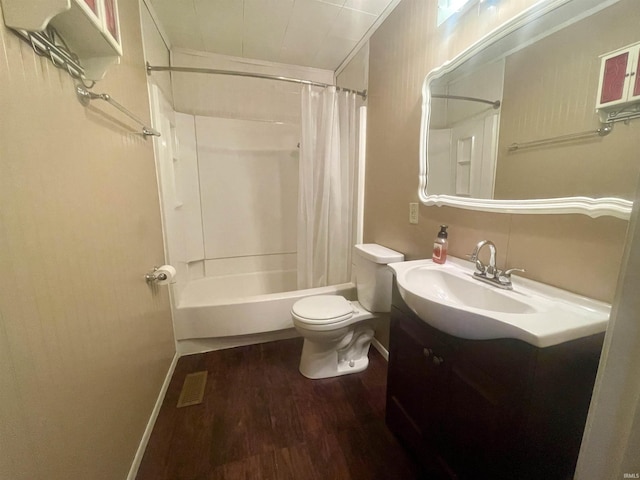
pixel 322 310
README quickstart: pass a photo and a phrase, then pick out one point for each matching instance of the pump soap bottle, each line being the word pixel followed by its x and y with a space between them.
pixel 440 246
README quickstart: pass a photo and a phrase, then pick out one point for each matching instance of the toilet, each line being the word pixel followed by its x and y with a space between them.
pixel 338 332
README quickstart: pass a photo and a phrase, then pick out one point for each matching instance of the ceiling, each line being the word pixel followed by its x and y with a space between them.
pixel 314 33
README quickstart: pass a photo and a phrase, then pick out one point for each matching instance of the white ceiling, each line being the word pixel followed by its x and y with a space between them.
pixel 314 33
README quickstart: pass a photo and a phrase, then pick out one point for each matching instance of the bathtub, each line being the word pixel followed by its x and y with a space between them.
pixel 208 315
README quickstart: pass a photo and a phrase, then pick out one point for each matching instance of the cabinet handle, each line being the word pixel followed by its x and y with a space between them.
pixel 438 360
pixel 427 352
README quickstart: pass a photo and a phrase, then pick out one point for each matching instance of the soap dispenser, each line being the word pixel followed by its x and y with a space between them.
pixel 440 246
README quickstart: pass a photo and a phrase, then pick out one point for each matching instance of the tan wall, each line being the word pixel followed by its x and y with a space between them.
pixel 84 343
pixel 573 252
pixel 550 89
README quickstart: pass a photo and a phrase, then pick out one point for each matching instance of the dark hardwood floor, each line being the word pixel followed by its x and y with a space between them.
pixel 261 419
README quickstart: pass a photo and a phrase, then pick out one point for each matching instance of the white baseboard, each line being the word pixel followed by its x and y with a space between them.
pixel 137 459
pixel 380 348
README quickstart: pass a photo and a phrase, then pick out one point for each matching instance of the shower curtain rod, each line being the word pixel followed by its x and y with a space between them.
pixel 494 103
pixel 152 68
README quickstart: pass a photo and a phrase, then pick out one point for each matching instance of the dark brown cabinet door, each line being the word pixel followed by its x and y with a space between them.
pixel 416 392
pixel 483 423
pixel 419 376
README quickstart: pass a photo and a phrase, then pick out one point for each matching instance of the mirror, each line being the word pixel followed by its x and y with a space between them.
pixel 510 125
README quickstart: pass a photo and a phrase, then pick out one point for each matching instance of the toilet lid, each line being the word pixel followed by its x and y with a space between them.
pixel 323 309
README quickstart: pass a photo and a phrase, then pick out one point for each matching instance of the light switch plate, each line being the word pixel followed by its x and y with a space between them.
pixel 413 213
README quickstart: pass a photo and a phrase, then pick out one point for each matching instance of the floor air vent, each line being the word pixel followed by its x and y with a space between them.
pixel 192 391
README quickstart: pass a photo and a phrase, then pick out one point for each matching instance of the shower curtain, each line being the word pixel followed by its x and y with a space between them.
pixel 327 188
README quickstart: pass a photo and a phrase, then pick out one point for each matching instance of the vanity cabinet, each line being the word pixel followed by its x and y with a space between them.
pixel 619 79
pixel 90 28
pixel 487 409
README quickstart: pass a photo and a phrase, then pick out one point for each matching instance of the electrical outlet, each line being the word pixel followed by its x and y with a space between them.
pixel 413 213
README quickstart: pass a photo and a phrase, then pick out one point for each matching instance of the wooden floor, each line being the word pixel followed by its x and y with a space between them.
pixel 261 419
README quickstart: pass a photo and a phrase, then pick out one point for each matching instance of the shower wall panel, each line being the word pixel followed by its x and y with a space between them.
pixel 189 190
pixel 249 186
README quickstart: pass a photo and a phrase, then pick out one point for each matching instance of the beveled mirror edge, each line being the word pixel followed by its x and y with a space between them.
pixel 593 207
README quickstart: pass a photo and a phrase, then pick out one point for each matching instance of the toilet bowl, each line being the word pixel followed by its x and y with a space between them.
pixel 338 332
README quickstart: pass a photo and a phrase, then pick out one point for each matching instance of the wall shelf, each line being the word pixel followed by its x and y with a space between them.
pixel 90 28
pixel 619 83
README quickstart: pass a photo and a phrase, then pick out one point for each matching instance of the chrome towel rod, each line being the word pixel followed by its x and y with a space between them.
pixel 603 131
pixel 493 103
pixel 213 71
pixel 85 96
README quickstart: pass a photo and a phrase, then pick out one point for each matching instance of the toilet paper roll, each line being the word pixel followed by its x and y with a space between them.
pixel 165 274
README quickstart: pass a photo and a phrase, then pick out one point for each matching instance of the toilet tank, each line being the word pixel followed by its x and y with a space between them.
pixel 373 278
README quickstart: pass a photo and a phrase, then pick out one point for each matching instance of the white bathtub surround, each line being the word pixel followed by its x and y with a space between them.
pixel 236 284
pixel 229 173
pixel 237 186
pixel 327 186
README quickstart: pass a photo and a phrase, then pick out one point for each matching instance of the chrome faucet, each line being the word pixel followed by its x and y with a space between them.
pixel 490 273
pixel 487 271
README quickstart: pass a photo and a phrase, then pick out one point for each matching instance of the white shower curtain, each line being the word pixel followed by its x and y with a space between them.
pixel 327 187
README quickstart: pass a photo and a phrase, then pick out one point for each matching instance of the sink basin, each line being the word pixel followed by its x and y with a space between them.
pixel 448 298
pixel 457 290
